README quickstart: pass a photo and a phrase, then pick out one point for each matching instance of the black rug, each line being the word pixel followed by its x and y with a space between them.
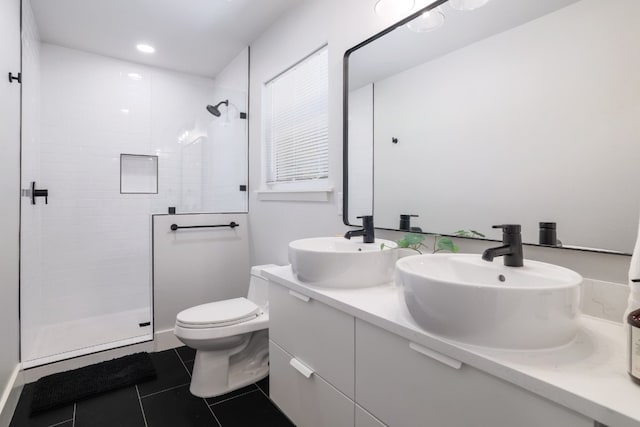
pixel 68 387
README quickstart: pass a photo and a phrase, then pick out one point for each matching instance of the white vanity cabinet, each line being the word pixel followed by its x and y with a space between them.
pixel 311 360
pixel 405 385
pixel 365 419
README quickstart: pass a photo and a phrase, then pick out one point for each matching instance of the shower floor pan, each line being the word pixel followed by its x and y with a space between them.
pixel 65 340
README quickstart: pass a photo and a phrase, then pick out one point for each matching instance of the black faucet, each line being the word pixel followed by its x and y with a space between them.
pixel 511 249
pixel 367 232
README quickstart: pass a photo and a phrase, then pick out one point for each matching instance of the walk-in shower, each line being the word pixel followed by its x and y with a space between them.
pixel 113 145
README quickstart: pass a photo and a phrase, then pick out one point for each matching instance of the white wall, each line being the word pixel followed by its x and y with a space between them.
pixel 197 266
pixel 9 194
pixel 307 27
pixel 274 224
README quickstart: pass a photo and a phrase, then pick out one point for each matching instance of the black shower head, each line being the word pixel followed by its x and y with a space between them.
pixel 213 109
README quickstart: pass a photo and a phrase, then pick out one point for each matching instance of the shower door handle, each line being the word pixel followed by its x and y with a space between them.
pixel 38 193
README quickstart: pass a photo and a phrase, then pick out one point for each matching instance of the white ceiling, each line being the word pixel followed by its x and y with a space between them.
pixel 193 36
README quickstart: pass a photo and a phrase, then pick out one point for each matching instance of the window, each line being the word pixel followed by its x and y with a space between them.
pixel 296 123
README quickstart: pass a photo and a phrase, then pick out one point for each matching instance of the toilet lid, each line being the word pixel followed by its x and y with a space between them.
pixel 219 313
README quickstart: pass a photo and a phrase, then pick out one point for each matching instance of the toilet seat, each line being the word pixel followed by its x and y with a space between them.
pixel 218 314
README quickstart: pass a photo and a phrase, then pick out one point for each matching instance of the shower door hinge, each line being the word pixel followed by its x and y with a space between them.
pixel 12 78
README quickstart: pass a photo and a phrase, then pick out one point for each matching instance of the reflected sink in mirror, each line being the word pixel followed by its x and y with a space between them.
pixel 466 299
pixel 336 262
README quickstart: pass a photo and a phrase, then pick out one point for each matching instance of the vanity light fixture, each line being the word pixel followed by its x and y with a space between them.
pixel 428 21
pixel 467 4
pixel 145 48
pixel 393 8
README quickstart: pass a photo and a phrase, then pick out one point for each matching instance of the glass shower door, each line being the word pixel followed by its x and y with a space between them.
pixel 85 248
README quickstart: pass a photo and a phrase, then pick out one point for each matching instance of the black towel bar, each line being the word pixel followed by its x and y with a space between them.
pixel 232 224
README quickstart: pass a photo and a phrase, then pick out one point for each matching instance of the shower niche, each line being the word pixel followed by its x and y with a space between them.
pixel 138 174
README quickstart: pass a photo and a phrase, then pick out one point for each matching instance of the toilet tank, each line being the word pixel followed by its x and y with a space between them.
pixel 258 289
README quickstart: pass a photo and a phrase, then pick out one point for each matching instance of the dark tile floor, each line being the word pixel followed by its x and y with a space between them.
pixel 163 402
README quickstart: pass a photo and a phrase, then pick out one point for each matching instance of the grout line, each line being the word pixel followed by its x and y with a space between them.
pixel 180 357
pixel 212 413
pixel 232 397
pixel 183 363
pixel 144 417
pixel 74 415
pixel 277 407
pixel 258 385
pixel 262 391
pixel 61 422
pixel 162 391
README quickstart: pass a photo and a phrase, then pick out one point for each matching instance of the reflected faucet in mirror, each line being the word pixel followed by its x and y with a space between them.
pixel 405 223
pixel 511 250
pixel 548 235
pixel 367 232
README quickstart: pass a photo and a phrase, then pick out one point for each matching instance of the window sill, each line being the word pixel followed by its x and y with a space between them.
pixel 310 195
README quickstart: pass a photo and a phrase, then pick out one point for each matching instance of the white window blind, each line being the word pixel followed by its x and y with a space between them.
pixel 296 122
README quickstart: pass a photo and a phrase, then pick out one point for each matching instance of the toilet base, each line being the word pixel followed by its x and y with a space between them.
pixel 219 372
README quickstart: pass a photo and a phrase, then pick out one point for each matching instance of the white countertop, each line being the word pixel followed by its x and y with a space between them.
pixel 588 376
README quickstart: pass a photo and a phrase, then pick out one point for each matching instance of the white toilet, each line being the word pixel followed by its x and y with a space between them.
pixel 231 339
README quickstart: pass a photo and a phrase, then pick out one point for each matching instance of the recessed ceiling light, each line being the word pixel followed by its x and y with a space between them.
pixel 134 76
pixel 145 48
pixel 393 8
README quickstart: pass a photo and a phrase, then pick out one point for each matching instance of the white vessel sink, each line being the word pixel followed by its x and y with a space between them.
pixel 336 262
pixel 464 298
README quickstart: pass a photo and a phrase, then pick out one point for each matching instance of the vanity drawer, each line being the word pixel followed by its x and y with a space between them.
pixel 318 335
pixel 303 396
pixel 405 385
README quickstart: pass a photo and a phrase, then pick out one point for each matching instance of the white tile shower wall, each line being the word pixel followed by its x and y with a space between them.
pixel 95 241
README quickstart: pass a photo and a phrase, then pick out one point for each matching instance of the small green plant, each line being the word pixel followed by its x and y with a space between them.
pixel 469 233
pixel 415 242
pixel 412 241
